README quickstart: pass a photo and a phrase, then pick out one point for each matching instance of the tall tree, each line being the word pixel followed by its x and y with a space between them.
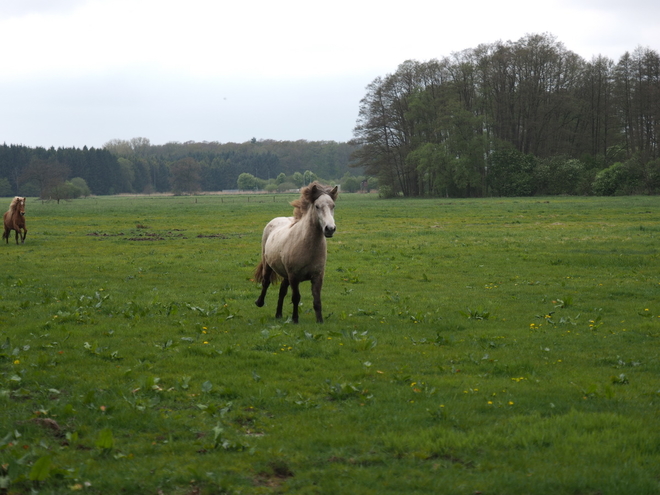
pixel 185 176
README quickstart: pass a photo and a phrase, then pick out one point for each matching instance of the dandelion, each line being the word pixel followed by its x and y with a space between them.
pixel 17 361
pixel 510 403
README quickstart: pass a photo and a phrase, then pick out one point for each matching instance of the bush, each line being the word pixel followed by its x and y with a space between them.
pixel 286 186
pixel 247 182
pixel 386 192
pixel 510 173
pixel 81 185
pixel 560 175
pixel 350 184
pixel 607 181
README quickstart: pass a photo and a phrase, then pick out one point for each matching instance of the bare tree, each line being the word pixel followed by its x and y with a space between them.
pixel 49 176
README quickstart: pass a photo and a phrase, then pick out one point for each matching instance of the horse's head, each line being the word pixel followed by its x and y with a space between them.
pixel 17 206
pixel 324 208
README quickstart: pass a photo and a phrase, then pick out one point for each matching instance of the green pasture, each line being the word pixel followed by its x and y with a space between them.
pixel 495 346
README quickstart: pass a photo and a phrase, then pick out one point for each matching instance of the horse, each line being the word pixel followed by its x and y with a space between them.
pixel 15 219
pixel 294 249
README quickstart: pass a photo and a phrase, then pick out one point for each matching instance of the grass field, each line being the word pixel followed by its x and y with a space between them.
pixel 495 346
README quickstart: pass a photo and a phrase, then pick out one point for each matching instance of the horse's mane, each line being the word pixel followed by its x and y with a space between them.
pixel 14 203
pixel 308 195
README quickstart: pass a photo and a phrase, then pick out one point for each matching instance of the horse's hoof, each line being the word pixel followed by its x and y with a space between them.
pixel 259 303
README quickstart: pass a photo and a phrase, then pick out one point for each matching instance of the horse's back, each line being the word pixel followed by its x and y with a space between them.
pixel 273 225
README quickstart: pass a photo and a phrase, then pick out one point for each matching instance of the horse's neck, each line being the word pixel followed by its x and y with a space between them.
pixel 310 226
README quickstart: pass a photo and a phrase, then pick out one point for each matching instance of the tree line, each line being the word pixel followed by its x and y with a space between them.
pixel 137 166
pixel 514 118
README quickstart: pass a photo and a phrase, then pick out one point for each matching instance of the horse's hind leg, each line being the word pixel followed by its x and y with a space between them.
pixel 265 283
pixel 284 287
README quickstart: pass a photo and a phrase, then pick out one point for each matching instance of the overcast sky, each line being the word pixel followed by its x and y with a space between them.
pixel 83 72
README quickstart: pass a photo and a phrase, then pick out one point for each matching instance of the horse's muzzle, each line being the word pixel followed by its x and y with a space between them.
pixel 329 231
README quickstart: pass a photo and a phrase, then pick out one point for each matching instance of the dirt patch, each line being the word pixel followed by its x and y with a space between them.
pixel 212 236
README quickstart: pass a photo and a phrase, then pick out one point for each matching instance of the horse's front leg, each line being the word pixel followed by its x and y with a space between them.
pixel 18 233
pixel 317 284
pixel 24 235
pixel 295 299
pixel 284 287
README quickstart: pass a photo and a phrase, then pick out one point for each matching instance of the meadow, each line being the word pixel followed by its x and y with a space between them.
pixel 493 346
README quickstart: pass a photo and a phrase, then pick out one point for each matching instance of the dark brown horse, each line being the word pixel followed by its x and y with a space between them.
pixel 15 220
pixel 294 248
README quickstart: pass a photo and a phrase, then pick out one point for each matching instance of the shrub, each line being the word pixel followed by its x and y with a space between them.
pixel 81 185
pixel 350 184
pixel 510 173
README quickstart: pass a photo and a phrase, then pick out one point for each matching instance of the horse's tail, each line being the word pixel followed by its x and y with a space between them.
pixel 260 274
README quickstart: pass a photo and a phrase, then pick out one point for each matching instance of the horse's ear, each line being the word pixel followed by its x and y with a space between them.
pixel 334 193
pixel 314 191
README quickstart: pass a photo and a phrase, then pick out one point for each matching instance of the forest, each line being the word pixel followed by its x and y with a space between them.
pixel 515 118
pixel 137 166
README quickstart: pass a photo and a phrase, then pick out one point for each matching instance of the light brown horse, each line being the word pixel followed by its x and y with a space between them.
pixel 15 219
pixel 294 248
